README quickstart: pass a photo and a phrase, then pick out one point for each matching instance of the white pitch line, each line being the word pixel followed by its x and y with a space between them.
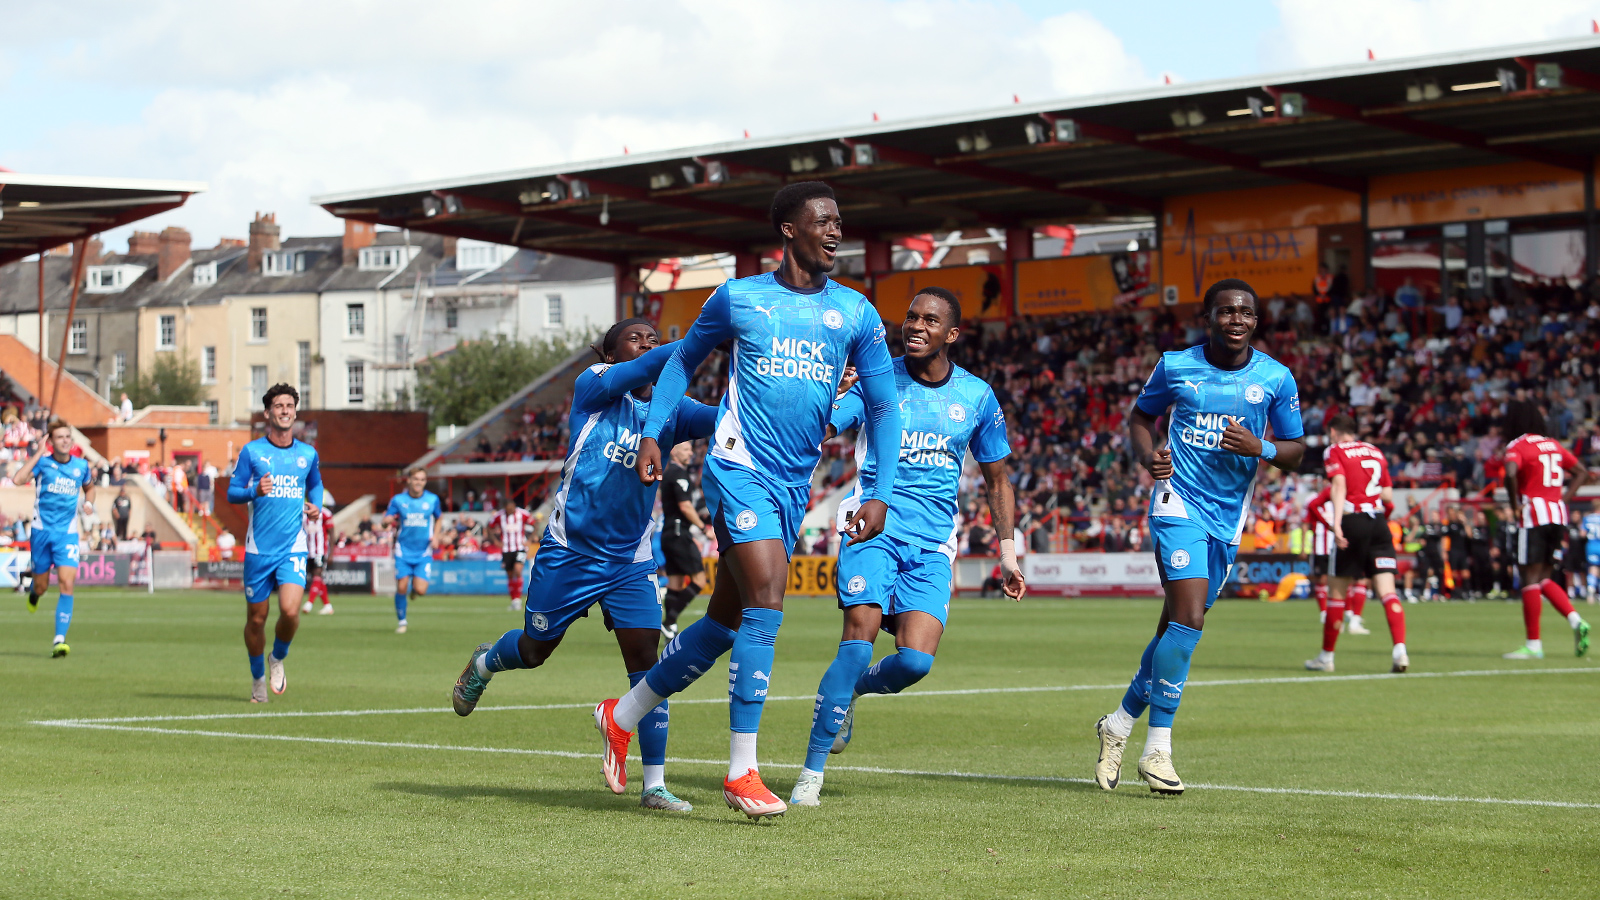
pixel 872 770
pixel 810 698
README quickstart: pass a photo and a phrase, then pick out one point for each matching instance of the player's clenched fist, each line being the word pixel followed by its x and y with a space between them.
pixel 264 486
pixel 1159 465
pixel 648 464
pixel 1238 439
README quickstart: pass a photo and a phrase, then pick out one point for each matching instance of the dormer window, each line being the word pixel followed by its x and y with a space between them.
pixel 283 262
pixel 111 279
pixel 473 255
pixel 386 259
pixel 205 273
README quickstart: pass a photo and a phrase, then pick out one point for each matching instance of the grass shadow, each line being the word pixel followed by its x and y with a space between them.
pixel 236 697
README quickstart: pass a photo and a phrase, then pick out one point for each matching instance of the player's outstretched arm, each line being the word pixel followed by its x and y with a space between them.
pixel 1002 505
pixel 25 474
pixel 883 443
pixel 713 326
pixel 623 377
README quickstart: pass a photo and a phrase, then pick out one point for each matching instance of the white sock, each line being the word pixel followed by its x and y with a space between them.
pixel 1574 619
pixel 61 639
pixel 1325 656
pixel 741 753
pixel 482 665
pixel 1158 739
pixel 654 776
pixel 1399 650
pixel 635 705
pixel 1119 723
pixel 805 772
pixel 1536 644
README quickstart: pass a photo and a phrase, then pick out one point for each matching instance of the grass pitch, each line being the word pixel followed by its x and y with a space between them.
pixel 1318 786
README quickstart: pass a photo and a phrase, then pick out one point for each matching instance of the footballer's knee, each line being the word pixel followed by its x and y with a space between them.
pixel 916 664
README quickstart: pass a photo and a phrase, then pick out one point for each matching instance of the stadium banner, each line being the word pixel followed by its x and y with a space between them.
pixel 343 577
pixel 467 576
pixel 1477 192
pixel 984 291
pixel 225 570
pixel 1076 284
pixel 1254 573
pixel 94 569
pixel 354 552
pixel 1267 236
pixel 1091 574
pixel 808 575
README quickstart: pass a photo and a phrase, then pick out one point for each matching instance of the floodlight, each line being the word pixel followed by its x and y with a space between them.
pixel 1547 76
pixel 1195 116
pixel 432 206
pixel 866 155
pixel 691 175
pixel 1291 105
pixel 980 141
pixel 1035 132
pixel 716 172
pixel 555 191
pixel 453 205
pixel 964 143
pixel 579 188
pixel 660 181
pixel 1067 131
pixel 1507 79
pixel 837 155
pixel 802 162
pixel 1179 118
pixel 1430 89
pixel 1257 108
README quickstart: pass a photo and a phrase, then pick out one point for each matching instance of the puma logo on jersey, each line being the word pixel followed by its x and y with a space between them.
pixel 1193 384
pixel 764 310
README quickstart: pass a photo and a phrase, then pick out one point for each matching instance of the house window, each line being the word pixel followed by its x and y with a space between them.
pixel 385 259
pixel 208 365
pixel 355 319
pixel 552 310
pixel 258 383
pixel 402 347
pixel 282 262
pixel 167 333
pixel 305 368
pixel 205 273
pixel 472 255
pixel 119 367
pixel 78 336
pixel 356 382
pixel 215 410
pixel 258 323
pixel 111 279
pixel 451 317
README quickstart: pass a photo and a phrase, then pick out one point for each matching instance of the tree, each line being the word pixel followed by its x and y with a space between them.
pixel 458 387
pixel 172 380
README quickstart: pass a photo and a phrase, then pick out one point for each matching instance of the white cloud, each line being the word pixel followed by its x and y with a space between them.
pixel 272 104
pixel 1318 33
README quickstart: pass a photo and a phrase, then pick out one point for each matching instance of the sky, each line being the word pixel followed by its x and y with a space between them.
pixel 270 104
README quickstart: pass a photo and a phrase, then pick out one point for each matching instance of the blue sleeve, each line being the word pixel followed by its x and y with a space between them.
pixel 989 442
pixel 241 491
pixel 314 480
pixel 1157 394
pixel 1284 414
pixel 437 508
pixel 849 411
pixel 394 506
pixel 713 326
pixel 695 420
pixel 883 416
pixel 868 353
pixel 620 378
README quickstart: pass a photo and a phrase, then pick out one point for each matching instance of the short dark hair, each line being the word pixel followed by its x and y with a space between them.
pixel 1523 418
pixel 415 469
pixel 789 199
pixel 947 296
pixel 57 422
pixel 1343 422
pixel 1226 284
pixel 278 390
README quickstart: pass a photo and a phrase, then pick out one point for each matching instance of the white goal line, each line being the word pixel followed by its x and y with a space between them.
pixel 809 698
pixel 871 770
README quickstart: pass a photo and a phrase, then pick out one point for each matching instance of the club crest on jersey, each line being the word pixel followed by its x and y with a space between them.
pixel 1180 559
pixel 301 462
pixel 958 413
pixel 856 585
pixel 833 319
pixel 539 622
pixel 1254 393
pixel 745 521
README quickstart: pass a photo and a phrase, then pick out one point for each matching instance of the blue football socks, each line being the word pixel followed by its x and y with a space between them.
pixel 750 668
pixel 63 614
pixel 258 666
pixel 894 674
pixel 652 730
pixel 833 699
pixel 1171 670
pixel 280 648
pixel 504 655
pixel 400 605
pixel 688 656
pixel 1137 696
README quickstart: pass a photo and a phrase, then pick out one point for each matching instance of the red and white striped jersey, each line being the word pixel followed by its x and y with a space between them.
pixel 1366 474
pixel 512 526
pixel 317 529
pixel 1319 513
pixel 1542 465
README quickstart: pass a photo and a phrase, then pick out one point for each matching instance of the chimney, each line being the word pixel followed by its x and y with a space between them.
pixel 93 250
pixel 263 237
pixel 174 253
pixel 225 243
pixel 144 243
pixel 449 247
pixel 357 235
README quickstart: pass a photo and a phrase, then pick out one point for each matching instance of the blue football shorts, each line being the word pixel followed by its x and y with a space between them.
pixel 263 576
pixel 747 506
pixel 1186 550
pixel 408 568
pixel 1591 552
pixel 47 550
pixel 895 576
pixel 564 584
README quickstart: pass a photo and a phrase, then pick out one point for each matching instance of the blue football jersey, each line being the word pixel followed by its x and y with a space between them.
pixel 601 508
pixel 790 349
pixel 416 515
pixel 1591 526
pixel 277 520
pixel 938 423
pixel 58 493
pixel 1209 484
